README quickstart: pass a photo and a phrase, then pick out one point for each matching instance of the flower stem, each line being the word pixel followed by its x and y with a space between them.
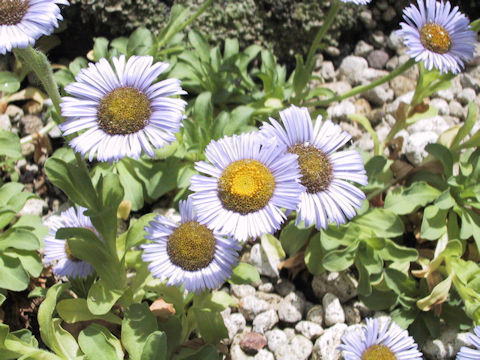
pixel 42 131
pixel 322 31
pixel 362 88
pixel 39 64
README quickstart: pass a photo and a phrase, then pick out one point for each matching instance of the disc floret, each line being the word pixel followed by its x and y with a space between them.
pixel 378 352
pixel 315 166
pixel 191 246
pixel 123 111
pixel 246 186
pixel 435 38
pixel 12 11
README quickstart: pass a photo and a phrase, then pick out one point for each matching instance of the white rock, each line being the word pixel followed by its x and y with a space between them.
pixel 266 287
pixel 315 314
pixel 259 259
pixel 275 338
pixel 415 145
pixel 437 124
pixel 456 109
pixel 466 95
pixel 291 308
pixel 309 329
pixel 326 346
pixel 284 287
pixel 265 321
pixel 273 300
pixel 241 291
pixel 341 110
pixel 327 71
pixel 441 105
pixel 468 81
pixel 367 19
pixel 406 98
pixel 394 41
pixel 33 207
pixel 251 306
pixel 352 315
pixel 342 284
pixel 363 48
pixel 379 95
pixel 446 94
pixel 446 346
pixel 299 348
pixel 351 67
pixel 333 311
pixel 5 122
pixel 263 355
pixel 236 353
pixel 234 323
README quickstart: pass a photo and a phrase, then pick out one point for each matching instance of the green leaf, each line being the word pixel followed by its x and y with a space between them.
pixel 95 345
pixel 102 296
pixel 339 260
pixel 173 328
pixel 74 180
pixel 244 273
pixel 206 352
pixel 141 42
pixel 9 82
pixel 12 274
pixel 75 310
pixel 438 295
pixel 239 119
pixel 404 201
pixel 399 282
pixel 384 223
pixel 445 201
pixel 30 260
pixel 210 324
pixel 467 125
pixel 294 237
pixel 18 239
pixel 434 223
pixel 100 48
pixel 313 256
pixel 394 252
pixel 470 225
pixel 443 155
pixel 10 145
pixel 138 323
pixel 77 64
pixel 155 347
pixel 61 342
pixel 136 233
pixel 131 184
pixel 200 45
pixel 379 300
pixel 63 77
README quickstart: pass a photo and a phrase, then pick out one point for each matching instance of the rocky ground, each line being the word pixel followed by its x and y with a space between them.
pixel 305 319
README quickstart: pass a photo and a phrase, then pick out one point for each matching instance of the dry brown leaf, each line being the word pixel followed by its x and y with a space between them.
pixel 294 264
pixel 42 148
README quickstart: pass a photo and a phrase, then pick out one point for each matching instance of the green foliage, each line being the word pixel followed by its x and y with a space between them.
pixel 19 240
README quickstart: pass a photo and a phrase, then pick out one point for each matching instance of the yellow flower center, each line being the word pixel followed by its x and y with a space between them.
pixel 435 38
pixel 315 167
pixel 246 186
pixel 124 111
pixel 378 352
pixel 191 246
pixel 12 11
pixel 69 253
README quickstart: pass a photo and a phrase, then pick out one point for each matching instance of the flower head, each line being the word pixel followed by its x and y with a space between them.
pixel 438 35
pixel 357 2
pixel 57 251
pixel 467 353
pixel 22 22
pixel 387 343
pixel 247 187
pixel 121 109
pixel 189 253
pixel 325 172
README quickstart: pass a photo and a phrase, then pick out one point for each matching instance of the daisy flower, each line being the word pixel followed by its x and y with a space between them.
pixel 467 353
pixel 189 253
pixel 438 35
pixel 325 172
pixel 121 109
pixel 57 252
pixel 24 21
pixel 388 343
pixel 246 186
